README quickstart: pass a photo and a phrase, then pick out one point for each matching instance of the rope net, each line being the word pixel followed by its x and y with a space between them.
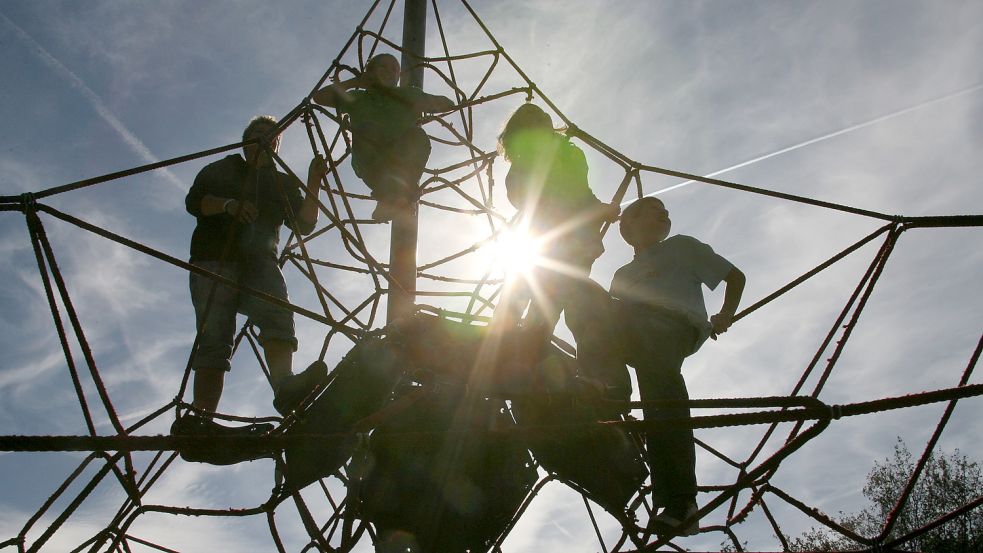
pixel 343 259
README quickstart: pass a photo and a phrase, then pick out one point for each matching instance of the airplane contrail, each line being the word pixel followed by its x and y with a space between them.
pixel 827 136
pixel 101 108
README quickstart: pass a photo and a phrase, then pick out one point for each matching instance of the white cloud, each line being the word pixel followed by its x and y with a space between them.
pixel 694 87
pixel 103 110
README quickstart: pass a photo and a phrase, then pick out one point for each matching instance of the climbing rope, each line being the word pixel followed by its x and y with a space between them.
pixel 469 179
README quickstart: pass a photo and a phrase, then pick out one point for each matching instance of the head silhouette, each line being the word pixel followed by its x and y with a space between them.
pixel 645 223
pixel 259 127
pixel 529 119
pixel 383 70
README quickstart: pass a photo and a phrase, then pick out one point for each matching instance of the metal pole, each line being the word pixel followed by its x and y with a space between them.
pixel 403 237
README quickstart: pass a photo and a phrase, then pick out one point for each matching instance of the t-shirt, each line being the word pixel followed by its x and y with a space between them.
pixel 669 275
pixel 231 177
pixel 379 117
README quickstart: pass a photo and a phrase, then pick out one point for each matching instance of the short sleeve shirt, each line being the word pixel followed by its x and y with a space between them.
pixel 380 117
pixel 670 276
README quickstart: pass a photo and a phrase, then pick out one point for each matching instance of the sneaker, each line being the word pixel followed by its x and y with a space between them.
pixel 297 387
pixel 195 425
pixel 192 425
pixel 678 520
pixel 385 211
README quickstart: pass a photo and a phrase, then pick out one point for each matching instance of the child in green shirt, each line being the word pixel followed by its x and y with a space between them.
pixel 389 149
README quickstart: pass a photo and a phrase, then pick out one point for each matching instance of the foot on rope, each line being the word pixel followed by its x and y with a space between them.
pixel 195 426
pixel 677 519
pixel 387 210
pixel 297 387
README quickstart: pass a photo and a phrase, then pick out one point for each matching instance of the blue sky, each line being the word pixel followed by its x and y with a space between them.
pixel 694 86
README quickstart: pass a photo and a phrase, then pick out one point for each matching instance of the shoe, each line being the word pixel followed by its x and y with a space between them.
pixel 196 425
pixel 384 211
pixel 192 425
pixel 678 520
pixel 658 501
pixel 297 387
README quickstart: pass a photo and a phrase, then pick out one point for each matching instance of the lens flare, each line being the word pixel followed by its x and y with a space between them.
pixel 514 252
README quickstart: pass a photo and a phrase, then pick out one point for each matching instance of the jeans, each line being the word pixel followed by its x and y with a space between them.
pixel 656 342
pixel 274 322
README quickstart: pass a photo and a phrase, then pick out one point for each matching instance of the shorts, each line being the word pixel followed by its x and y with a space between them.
pixel 275 323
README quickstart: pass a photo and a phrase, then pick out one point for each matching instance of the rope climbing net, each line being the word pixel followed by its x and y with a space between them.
pixel 349 247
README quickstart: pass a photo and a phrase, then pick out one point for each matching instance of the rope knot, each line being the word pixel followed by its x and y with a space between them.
pixel 28 202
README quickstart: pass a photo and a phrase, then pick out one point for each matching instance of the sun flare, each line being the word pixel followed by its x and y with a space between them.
pixel 514 252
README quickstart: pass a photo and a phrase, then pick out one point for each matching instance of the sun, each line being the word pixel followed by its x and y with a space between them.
pixel 514 252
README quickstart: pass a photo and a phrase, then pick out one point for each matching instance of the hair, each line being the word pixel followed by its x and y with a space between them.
pixel 640 203
pixel 257 121
pixel 527 116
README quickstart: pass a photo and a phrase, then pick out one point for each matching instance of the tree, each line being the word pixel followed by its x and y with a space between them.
pixel 948 482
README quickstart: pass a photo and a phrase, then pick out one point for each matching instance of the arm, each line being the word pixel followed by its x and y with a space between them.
pixel 202 202
pixel 308 212
pixel 515 186
pixel 734 280
pixel 243 211
pixel 431 103
pixel 606 213
pixel 337 93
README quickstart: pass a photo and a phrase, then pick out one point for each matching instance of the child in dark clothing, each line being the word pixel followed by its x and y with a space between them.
pixel 240 203
pixel 661 302
pixel 547 184
pixel 389 149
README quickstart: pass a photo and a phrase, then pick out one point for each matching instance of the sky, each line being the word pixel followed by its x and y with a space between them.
pixel 876 104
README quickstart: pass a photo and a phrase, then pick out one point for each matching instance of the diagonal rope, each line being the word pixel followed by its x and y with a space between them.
pixel 343 223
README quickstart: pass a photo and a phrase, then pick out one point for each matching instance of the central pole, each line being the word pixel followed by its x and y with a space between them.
pixel 403 237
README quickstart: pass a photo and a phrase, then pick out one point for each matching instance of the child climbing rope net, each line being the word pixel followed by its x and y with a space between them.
pixel 459 181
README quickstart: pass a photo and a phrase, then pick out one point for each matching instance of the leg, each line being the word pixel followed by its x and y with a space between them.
pixel 279 358
pixel 210 363
pixel 276 327
pixel 511 305
pixel 275 323
pixel 591 318
pixel 658 348
pixel 548 294
pixel 671 452
pixel 207 390
pixel 561 286
pixel 408 157
pixel 395 174
pixel 212 359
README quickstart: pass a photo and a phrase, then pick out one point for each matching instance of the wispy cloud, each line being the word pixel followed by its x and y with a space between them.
pixel 94 100
pixel 821 138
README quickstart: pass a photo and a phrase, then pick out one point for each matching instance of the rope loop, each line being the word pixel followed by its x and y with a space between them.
pixel 458 130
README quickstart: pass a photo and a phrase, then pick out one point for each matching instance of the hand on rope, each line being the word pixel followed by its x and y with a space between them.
pixel 316 171
pixel 720 323
pixel 609 213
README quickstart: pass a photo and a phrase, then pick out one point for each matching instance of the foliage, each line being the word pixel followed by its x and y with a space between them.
pixel 947 482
